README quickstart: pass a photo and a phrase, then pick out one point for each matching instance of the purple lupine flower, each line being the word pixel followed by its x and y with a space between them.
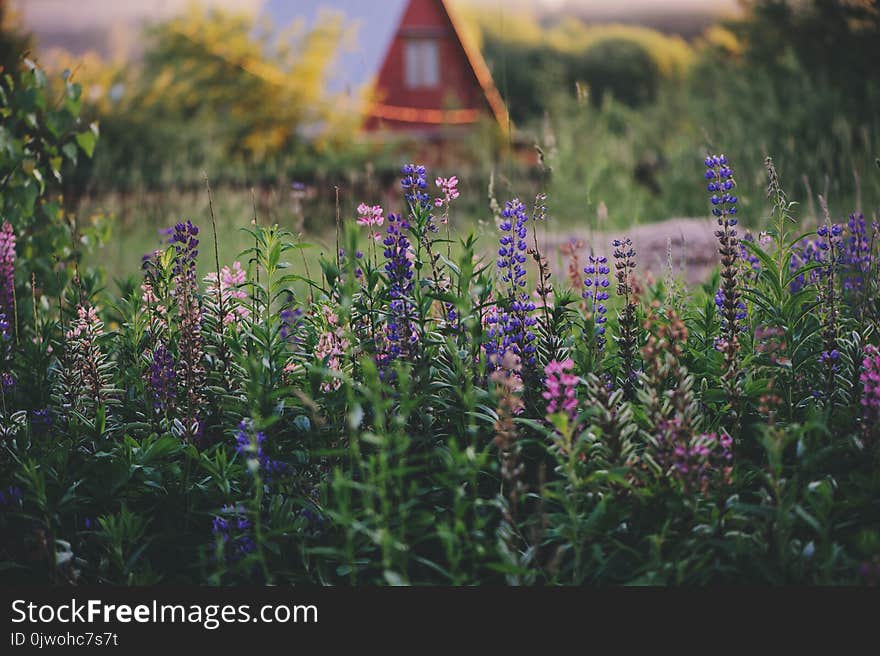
pixel 748 256
pixel 596 293
pixel 697 462
pixel 7 275
pixel 10 497
pixel 41 421
pixel 7 383
pixel 510 327
pixel 721 185
pixel 741 311
pixel 191 372
pixel 830 244
pixel 857 253
pixel 233 530
pixel 400 331
pixel 291 320
pixel 414 183
pixel 162 378
pixel 250 444
pixel 804 253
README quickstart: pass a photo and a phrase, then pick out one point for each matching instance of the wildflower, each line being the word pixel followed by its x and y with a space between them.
pixel 5 339
pixel 250 443
pixel 697 462
pixel 232 530
pixel 291 320
pixel 331 347
pixel 400 331
pixel 570 250
pixel 449 188
pixel 511 329
pixel 191 372
pixel 741 312
pixel 804 253
pixel 85 369
pixel 560 388
pixel 41 421
pixel 830 244
pixel 721 185
pixel 369 215
pixel 870 379
pixel 856 254
pixel 7 382
pixel 235 309
pixel 414 183
pixel 747 256
pixel 162 378
pixel 7 275
pixel 596 284
pixel 507 378
pixel 10 497
pixel 627 340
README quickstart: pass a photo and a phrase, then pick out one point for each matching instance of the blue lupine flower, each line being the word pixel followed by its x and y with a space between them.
pixel 741 311
pixel 748 256
pixel 234 533
pixel 596 292
pixel 414 183
pixel 10 497
pixel 721 184
pixel 509 329
pixel 41 421
pixel 399 330
pixel 162 378
pixel 250 444
pixel 856 253
pixel 804 253
pixel 291 320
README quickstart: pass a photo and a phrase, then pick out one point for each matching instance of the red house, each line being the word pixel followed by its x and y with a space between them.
pixel 408 70
pixel 430 78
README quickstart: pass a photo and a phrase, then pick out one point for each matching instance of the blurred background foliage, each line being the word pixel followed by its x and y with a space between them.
pixel 621 115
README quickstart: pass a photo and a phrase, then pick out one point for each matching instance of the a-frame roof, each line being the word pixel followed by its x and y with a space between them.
pixel 375 24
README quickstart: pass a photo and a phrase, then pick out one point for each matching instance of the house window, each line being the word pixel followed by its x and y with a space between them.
pixel 422 63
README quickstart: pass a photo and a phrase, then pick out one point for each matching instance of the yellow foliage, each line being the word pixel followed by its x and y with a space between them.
pixel 212 66
pixel 721 39
pixel 671 53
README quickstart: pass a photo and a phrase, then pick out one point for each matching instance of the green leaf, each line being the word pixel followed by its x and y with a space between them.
pixel 70 151
pixel 87 141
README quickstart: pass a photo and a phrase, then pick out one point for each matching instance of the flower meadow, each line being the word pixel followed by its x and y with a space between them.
pixel 434 411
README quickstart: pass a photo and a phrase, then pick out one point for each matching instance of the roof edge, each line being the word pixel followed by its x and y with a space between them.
pixel 481 70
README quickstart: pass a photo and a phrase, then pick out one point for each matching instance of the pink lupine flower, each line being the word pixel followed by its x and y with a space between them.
pixel 870 379
pixel 231 280
pixel 331 347
pixel 560 388
pixel 83 360
pixel 369 215
pixel 449 189
pixel 698 462
pixel 7 274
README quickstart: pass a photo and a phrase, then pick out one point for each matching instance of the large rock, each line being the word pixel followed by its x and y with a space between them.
pixel 691 242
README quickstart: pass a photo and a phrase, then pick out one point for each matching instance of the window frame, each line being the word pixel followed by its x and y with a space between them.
pixel 421 63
